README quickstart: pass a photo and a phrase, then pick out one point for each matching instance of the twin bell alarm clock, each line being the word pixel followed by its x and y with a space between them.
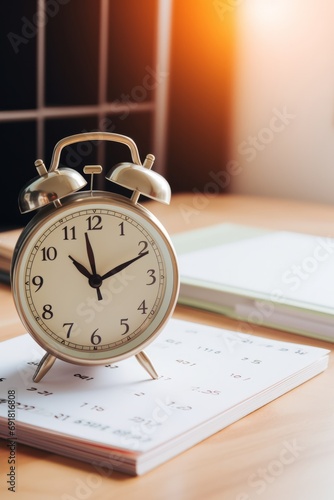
pixel 94 274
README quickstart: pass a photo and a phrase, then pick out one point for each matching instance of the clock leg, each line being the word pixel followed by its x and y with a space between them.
pixel 146 363
pixel 44 366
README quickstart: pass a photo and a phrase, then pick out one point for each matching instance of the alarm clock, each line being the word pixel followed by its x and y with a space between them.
pixel 94 274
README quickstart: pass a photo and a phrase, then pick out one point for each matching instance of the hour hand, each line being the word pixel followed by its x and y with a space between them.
pixel 94 280
pixel 81 268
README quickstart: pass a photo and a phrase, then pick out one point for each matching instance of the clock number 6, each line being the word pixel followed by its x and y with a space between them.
pixel 95 338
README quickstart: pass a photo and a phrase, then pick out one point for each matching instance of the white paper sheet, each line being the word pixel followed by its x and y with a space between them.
pixel 290 265
pixel 209 377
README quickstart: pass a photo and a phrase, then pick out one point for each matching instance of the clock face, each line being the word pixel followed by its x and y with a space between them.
pixel 95 279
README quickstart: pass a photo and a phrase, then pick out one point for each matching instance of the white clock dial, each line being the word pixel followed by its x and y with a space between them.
pixel 96 279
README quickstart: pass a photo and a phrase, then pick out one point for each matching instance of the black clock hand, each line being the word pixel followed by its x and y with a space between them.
pixel 81 268
pixel 90 254
pixel 119 268
pixel 94 280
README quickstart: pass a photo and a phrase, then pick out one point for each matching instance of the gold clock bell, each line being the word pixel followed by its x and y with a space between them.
pixel 56 183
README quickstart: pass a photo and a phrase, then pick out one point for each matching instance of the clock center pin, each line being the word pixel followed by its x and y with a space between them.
pixel 95 281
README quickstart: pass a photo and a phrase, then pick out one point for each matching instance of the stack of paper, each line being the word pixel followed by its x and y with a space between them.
pixel 114 416
pixel 275 278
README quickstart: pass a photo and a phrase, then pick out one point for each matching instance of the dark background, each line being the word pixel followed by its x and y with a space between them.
pixel 200 83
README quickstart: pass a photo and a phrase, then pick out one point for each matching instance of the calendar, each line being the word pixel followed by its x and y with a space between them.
pixel 116 416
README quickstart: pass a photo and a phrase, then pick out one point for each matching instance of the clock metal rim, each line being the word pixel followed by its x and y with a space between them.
pixel 42 219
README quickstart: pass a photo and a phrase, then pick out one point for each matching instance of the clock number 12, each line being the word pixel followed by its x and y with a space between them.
pixel 94 222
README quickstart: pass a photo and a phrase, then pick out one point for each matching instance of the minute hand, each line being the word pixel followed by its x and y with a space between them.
pixel 119 268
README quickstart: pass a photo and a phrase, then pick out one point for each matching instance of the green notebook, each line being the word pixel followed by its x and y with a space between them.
pixel 279 279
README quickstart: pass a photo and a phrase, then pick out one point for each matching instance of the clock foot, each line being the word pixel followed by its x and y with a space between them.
pixel 44 366
pixel 146 363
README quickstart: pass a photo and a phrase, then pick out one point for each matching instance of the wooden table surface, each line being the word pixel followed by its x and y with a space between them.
pixel 284 450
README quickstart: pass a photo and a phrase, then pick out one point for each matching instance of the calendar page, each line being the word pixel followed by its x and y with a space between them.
pixel 114 414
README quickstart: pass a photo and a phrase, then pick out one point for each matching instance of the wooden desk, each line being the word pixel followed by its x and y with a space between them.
pixel 285 450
